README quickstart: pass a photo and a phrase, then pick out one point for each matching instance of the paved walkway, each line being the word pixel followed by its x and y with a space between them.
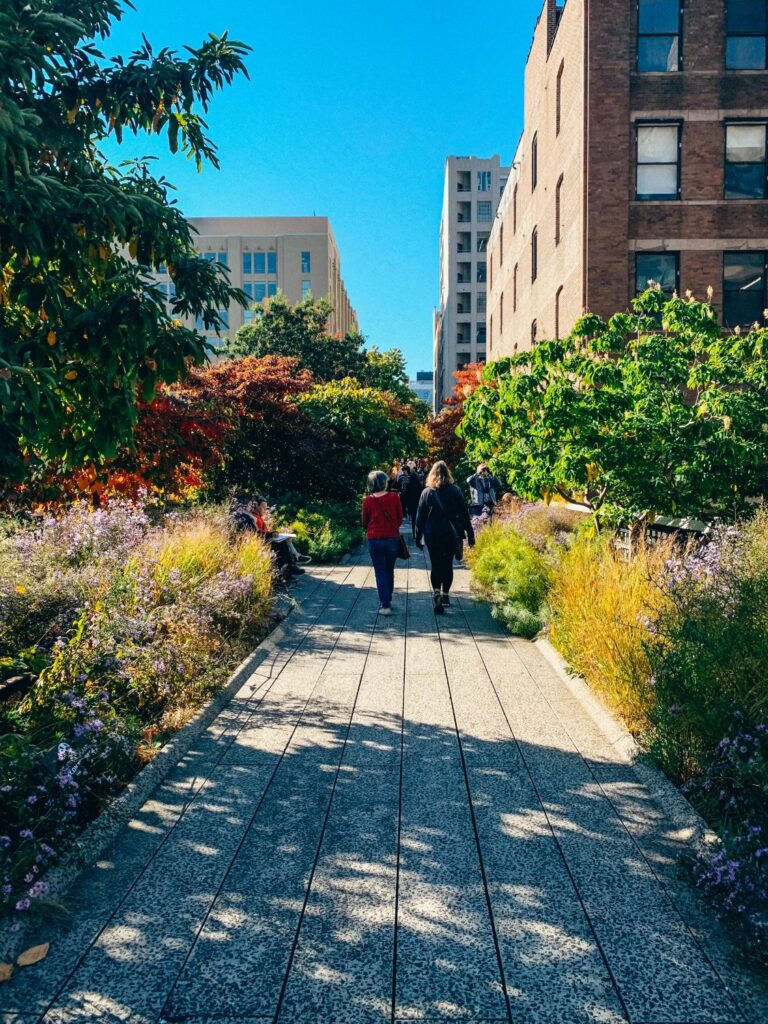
pixel 394 820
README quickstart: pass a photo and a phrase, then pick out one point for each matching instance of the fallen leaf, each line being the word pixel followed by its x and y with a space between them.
pixel 33 955
pixel 6 970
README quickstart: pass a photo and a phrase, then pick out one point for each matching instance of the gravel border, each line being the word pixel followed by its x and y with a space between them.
pixel 686 819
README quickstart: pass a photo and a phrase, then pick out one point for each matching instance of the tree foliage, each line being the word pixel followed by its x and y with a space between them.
pixel 80 324
pixel 443 441
pixel 656 412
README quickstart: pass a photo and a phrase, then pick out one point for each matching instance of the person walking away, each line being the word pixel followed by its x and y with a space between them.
pixel 402 483
pixel 483 490
pixel 382 515
pixel 442 522
pixel 411 495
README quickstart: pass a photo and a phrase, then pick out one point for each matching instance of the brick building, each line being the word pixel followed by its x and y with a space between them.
pixel 643 157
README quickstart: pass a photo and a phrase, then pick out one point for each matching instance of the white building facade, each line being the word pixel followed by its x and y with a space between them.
pixel 472 190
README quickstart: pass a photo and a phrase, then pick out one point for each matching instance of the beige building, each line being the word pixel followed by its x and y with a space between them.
pixel 297 256
pixel 471 194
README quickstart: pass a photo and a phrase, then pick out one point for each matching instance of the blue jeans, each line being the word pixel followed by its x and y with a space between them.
pixel 383 553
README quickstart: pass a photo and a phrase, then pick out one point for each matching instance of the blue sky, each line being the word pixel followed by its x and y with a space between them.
pixel 349 113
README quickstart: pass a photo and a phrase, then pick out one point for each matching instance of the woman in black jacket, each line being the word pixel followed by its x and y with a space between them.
pixel 442 522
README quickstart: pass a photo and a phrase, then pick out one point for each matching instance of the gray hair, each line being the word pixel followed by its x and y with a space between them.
pixel 377 481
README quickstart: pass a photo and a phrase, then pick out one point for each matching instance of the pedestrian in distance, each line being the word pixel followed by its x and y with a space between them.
pixel 402 483
pixel 442 523
pixel 410 495
pixel 382 515
pixel 484 489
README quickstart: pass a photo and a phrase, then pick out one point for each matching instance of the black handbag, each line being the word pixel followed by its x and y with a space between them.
pixel 402 547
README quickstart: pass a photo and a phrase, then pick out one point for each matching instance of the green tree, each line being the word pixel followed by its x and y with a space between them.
pixel 81 326
pixel 628 419
pixel 371 424
pixel 300 332
pixel 386 371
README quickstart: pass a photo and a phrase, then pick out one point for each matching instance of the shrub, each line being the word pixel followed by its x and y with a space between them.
pixel 599 605
pixel 510 573
pixel 326 532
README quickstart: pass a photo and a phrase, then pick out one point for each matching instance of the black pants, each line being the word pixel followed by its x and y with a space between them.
pixel 441 557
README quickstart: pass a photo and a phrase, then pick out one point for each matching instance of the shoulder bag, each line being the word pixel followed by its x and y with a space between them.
pixel 458 538
pixel 402 547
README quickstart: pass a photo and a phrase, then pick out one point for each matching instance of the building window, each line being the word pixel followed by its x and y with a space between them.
pixel 514 290
pixel 271 289
pixel 482 272
pixel 306 263
pixel 259 263
pixel 534 332
pixel 662 268
pixel 658 35
pixel 306 289
pixel 491 270
pixel 501 314
pixel 559 97
pixel 558 296
pixel 463 360
pixel 271 262
pixel 746 25
pixel 259 291
pixel 464 303
pixel 482 243
pixel 658 161
pixel 247 263
pixel 216 257
pixel 744 288
pixel 481 302
pixel 491 332
pixel 501 244
pixel 502 185
pixel 534 162
pixel 514 211
pixel 223 318
pixel 481 336
pixel 745 162
pixel 558 209
pixel 484 212
pixel 483 181
pixel 534 254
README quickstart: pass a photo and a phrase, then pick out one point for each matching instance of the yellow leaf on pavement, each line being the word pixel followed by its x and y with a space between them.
pixel 33 955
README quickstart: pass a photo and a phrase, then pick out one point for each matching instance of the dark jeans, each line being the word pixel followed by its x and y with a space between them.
pixel 441 556
pixel 477 510
pixel 383 553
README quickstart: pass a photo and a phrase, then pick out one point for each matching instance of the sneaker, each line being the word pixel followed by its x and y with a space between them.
pixel 446 601
pixel 385 611
pixel 437 603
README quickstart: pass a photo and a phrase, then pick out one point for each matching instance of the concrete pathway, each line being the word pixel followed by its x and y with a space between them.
pixel 395 820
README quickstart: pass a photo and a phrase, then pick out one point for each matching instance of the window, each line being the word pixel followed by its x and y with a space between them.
pixel 746 26
pixel 463 359
pixel 200 323
pixel 464 302
pixel 658 35
pixel 271 262
pixel 259 291
pixel 223 317
pixel 558 209
pixel 306 289
pixel 306 263
pixel 482 272
pixel 271 289
pixel 484 212
pixel 534 333
pixel 501 245
pixel 534 162
pixel 501 313
pixel 745 162
pixel 491 270
pixel 481 334
pixel 491 333
pixel 744 298
pixel 662 268
pixel 247 263
pixel 514 290
pixel 514 211
pixel 259 263
pixel 658 161
pixel 559 98
pixel 502 185
pixel 216 257
pixel 558 296
pixel 482 243
pixel 534 254
pixel 481 302
pixel 483 181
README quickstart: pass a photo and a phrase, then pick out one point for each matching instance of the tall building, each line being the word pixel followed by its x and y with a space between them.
pixel 643 157
pixel 471 196
pixel 295 255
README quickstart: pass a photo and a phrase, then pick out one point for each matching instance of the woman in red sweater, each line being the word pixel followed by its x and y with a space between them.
pixel 382 516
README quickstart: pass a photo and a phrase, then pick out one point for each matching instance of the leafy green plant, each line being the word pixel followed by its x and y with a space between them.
pixel 513 576
pixel 655 412
pixel 324 531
